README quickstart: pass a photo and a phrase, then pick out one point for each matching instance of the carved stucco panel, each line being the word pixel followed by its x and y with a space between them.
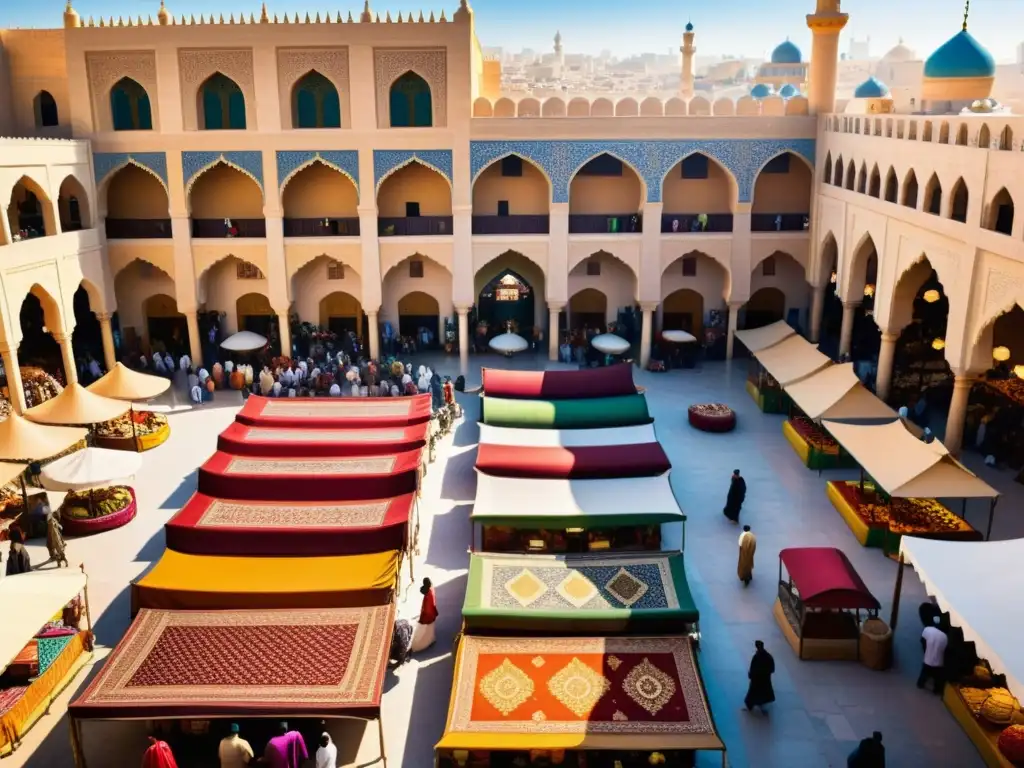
pixel 105 69
pixel 195 66
pixel 332 63
pixel 431 65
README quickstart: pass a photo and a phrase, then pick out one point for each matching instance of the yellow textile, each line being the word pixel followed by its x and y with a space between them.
pixel 745 567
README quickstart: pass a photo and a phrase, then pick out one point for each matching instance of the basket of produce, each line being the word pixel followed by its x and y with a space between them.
pixel 39 386
pixel 98 509
pixel 712 417
pixel 135 431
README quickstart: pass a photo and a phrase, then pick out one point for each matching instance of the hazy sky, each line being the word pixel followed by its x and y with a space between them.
pixel 749 27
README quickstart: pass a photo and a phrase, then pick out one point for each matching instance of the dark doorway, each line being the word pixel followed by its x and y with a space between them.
pixel 86 339
pixel 678 321
pixel 507 301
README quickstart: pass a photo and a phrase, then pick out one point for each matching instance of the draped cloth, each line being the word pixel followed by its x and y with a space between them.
pixel 748 544
pixel 287 751
pixel 734 501
pixel 426 632
pixel 760 690
pixel 158 755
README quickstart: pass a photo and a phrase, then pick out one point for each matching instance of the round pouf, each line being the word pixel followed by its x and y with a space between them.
pixel 712 417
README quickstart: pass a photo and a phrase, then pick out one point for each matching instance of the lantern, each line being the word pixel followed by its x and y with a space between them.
pixel 869 289
pixel 1002 354
pixel 931 296
pixel 938 344
pixel 1018 371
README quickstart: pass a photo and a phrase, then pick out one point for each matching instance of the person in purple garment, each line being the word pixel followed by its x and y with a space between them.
pixel 286 750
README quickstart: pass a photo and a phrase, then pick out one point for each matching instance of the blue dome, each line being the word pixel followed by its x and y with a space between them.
pixel 787 53
pixel 960 56
pixel 871 88
pixel 689 26
pixel 761 91
pixel 788 91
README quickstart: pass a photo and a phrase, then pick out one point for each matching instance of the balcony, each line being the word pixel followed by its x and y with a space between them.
pixel 343 227
pixel 511 225
pixel 779 222
pixel 414 226
pixel 239 228
pixel 138 229
pixel 605 224
pixel 687 223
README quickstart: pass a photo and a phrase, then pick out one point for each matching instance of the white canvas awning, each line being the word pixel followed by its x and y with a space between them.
pixel 977 583
pixel 761 338
pixel 90 468
pixel 792 359
pixel 836 393
pixel 28 601
pixel 566 438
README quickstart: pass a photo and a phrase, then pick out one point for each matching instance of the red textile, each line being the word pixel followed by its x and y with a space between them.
pixel 428 611
pixel 243 440
pixel 335 412
pixel 643 460
pixel 158 755
pixel 210 526
pixel 301 478
pixel 825 578
pixel 609 381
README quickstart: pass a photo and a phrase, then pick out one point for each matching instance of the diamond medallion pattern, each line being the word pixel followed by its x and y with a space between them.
pixel 579 687
pixel 506 688
pixel 649 687
pixel 626 587
pixel 577 589
pixel 525 587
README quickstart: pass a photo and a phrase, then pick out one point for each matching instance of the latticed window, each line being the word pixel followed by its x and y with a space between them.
pixel 335 270
pixel 247 271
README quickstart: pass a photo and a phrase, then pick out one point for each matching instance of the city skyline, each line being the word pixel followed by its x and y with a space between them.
pixel 592 27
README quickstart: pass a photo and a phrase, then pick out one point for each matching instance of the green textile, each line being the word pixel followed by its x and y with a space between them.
pixel 593 413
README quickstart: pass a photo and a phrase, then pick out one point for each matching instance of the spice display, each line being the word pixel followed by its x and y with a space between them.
pixel 146 423
pixel 901 516
pixel 98 502
pixel 814 435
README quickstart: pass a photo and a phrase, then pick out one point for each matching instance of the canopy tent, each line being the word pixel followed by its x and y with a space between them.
pixel 576 693
pixel 555 504
pixel 792 359
pixel 30 600
pixel 122 383
pixel 608 381
pixel 11 472
pixel 211 526
pixel 269 663
pixel 335 412
pixel 23 441
pixel 310 479
pixel 578 593
pixel 181 582
pixel 77 405
pixel 90 468
pixel 621 411
pixel 825 578
pixel 757 339
pixel 593 461
pixel 836 393
pixel 959 575
pixel 243 440
pixel 244 341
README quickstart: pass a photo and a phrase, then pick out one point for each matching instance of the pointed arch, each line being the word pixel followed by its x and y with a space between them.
pixel 863 268
pixel 851 175
pixel 73 205
pixel 828 260
pixel 1000 213
pixel 53 318
pixel 594 193
pixel 1006 138
pixel 30 211
pixel 782 190
pixel 874 182
pixel 130 109
pixel 961 135
pixel 553 107
pixel 223 191
pixel 315 102
pixel 512 186
pixel 933 196
pixel 319 190
pixel 699 177
pixel 958 200
pixel 910 191
pixel 410 102
pixel 862 179
pixel 944 133
pixel 892 186
pixel 45 108
pixel 984 137
pixel 826 172
pixel 627 107
pixel 482 107
pixel 221 104
pixel 414 189
pixel 578 107
pixel 504 107
pixel 837 180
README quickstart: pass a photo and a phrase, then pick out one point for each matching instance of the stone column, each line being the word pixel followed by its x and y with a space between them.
pixel 195 339
pixel 958 413
pixel 886 353
pixel 846 330
pixel 817 312
pixel 646 333
pixel 373 333
pixel 553 340
pixel 730 339
pixel 825 24
pixel 67 354
pixel 107 334
pixel 13 370
pixel 463 314
pixel 284 333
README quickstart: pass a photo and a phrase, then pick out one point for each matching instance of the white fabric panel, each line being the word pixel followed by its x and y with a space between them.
pixel 28 601
pixel 566 438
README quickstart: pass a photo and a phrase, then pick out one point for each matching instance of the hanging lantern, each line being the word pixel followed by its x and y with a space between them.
pixel 869 289
pixel 1002 354
pixel 833 278
pixel 931 296
pixel 1018 371
pixel 938 344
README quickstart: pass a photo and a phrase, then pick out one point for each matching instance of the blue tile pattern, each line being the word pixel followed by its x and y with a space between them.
pixel 249 162
pixel 345 160
pixel 652 160
pixel 387 161
pixel 106 163
pixel 599 576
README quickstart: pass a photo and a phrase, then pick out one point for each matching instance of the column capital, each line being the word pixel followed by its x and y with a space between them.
pixel 462 210
pixel 463 309
pixel 556 306
pixel 61 338
pixel 649 306
pixel 962 380
pixel 367 210
pixel 369 312
pixel 889 337
pixel 103 317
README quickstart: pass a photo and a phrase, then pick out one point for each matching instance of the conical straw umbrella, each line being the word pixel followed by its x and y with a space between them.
pixel 21 441
pixel 122 383
pixel 77 405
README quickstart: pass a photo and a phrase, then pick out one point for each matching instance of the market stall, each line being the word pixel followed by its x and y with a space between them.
pixel 95 500
pixel 576 701
pixel 819 604
pixel 775 368
pixel 907 476
pixel 578 594
pixel 335 412
pixel 243 440
pixel 608 381
pixel 42 645
pixel 183 582
pixel 77 406
pixel 137 430
pixel 592 413
pixel 764 390
pixel 268 663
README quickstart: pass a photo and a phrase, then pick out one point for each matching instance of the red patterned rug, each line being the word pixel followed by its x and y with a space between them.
pixel 243 440
pixel 335 412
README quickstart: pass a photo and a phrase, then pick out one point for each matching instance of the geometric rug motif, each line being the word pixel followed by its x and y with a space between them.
pixel 323 435
pixel 525 588
pixel 376 465
pixel 253 514
pixel 336 410
pixel 626 588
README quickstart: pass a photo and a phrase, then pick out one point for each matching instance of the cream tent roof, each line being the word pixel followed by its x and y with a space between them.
pixel 906 467
pixel 30 600
pixel 566 438
pixel 9 472
pixel 960 576
pixel 761 338
pixel 77 405
pixel 91 468
pixel 21 440
pixel 122 383
pixel 792 359
pixel 835 392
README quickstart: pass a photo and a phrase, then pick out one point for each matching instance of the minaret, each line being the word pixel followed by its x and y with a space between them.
pixel 559 53
pixel 687 49
pixel 825 24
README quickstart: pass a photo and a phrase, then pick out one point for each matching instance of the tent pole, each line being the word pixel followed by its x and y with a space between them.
pixel 76 743
pixel 991 515
pixel 894 616
pixel 85 593
pixel 383 749
pixel 24 500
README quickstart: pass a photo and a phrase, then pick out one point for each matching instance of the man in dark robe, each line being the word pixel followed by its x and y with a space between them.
pixel 869 753
pixel 18 562
pixel 760 692
pixel 737 493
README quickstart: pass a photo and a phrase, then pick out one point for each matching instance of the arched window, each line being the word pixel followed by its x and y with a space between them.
pixel 315 103
pixel 410 102
pixel 129 106
pixel 222 104
pixel 46 110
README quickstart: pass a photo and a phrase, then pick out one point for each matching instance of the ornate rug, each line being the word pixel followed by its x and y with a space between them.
pixel 340 435
pixel 204 663
pixel 382 406
pixel 344 412
pixel 312 440
pixel 376 465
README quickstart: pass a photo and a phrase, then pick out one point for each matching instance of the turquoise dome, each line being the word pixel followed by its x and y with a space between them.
pixel 761 91
pixel 871 88
pixel 960 56
pixel 689 26
pixel 788 91
pixel 786 53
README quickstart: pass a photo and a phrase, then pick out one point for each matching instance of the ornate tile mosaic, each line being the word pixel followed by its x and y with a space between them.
pixel 106 163
pixel 193 164
pixel 345 161
pixel 639 586
pixel 387 161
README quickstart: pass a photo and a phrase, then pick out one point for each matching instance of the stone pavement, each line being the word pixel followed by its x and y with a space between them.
pixel 823 708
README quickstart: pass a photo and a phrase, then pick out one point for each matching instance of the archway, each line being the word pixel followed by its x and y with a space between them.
pixel 588 312
pixel 134 285
pixel 320 201
pixel 315 102
pixel 683 310
pixel 523 302
pixel 694 275
pixel 696 185
pixel 910 191
pixel 341 314
pixel 166 328
pixel 29 211
pixel 933 196
pixel 86 339
pixel 1000 213
pixel 130 109
pixel 920 310
pixel 220 287
pixel 606 195
pixel 782 194
pixel 417 274
pixel 224 202
pixel 615 281
pixel 40 318
pixel 832 311
pixel 511 196
pixel 779 270
pixel 419 317
pixel 221 104
pixel 73 206
pixel 414 200
pixel 410 102
pixel 958 203
pixel 764 307
pixel 254 313
pixel 45 108
pixel 136 205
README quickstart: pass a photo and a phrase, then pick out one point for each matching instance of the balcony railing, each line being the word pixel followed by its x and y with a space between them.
pixel 414 226
pixel 511 225
pixel 237 228
pixel 138 229
pixel 685 223
pixel 342 227
pixel 600 223
pixel 779 222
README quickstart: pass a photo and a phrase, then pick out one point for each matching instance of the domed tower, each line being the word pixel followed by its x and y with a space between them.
pixel 688 49
pixel 960 72
pixel 71 17
pixel 825 24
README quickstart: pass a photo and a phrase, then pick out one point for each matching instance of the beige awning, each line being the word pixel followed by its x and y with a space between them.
pixel 9 472
pixel 28 601
pixel 792 359
pixel 122 383
pixel 77 405
pixel 906 467
pixel 761 338
pixel 21 440
pixel 836 393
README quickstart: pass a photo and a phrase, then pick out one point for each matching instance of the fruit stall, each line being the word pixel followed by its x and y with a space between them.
pixel 97 499
pixel 764 390
pixel 775 368
pixel 137 430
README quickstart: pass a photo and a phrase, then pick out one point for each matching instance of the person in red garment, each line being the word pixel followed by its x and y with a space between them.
pixel 426 634
pixel 158 755
pixel 286 750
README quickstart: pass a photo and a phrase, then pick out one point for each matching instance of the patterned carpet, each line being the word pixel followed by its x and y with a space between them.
pixel 255 514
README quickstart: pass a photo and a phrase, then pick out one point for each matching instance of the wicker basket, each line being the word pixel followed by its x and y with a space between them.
pixel 876 644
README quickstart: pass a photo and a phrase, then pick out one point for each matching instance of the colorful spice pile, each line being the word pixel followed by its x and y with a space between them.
pixel 98 502
pixel 813 435
pixel 146 423
pixel 901 516
pixel 713 410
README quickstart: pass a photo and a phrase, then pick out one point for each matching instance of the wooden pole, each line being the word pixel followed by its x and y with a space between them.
pixel 85 593
pixel 76 743
pixel 991 516
pixel 383 748
pixel 897 591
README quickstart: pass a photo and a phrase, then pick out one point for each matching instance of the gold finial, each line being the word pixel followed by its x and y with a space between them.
pixel 967 11
pixel 365 16
pixel 387 17
pixel 443 19
pixel 264 18
pixel 432 19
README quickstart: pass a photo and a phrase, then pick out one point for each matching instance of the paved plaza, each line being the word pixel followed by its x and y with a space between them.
pixel 822 708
